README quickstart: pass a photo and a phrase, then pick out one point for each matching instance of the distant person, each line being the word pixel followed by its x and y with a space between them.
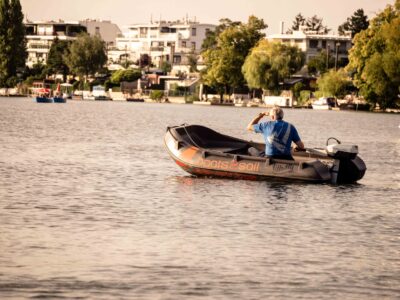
pixel 278 135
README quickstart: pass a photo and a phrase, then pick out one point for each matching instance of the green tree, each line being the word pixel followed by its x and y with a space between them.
pixel 269 63
pixel 374 59
pixel 12 42
pixel 55 60
pixel 316 24
pixel 297 88
pixel 356 23
pixel 334 83
pixel 210 41
pixel 166 67
pixel 321 63
pixel 299 20
pixel 192 60
pixel 128 75
pixel 87 55
pixel 313 24
pixel 224 61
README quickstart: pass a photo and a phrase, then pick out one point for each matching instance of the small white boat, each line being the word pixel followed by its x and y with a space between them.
pixel 324 103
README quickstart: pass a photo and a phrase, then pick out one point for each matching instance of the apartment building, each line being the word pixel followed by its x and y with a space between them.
pixel 40 35
pixel 311 43
pixel 171 41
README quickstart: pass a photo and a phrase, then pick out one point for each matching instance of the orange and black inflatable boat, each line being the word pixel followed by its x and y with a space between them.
pixel 202 151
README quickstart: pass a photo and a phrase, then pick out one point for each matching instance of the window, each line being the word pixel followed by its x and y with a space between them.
pixel 177 59
pixel 313 43
pixel 143 32
pixel 194 45
pixel 183 44
pixel 323 44
pixel 194 31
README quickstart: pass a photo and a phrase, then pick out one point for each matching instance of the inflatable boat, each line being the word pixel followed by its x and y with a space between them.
pixel 202 151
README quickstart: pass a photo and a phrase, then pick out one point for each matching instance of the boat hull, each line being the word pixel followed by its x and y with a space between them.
pixel 203 152
pixel 321 107
pixel 59 100
pixel 44 100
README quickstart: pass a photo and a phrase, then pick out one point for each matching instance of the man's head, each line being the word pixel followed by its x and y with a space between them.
pixel 276 113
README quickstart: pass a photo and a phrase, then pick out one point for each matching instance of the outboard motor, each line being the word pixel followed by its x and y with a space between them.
pixel 347 166
pixel 340 151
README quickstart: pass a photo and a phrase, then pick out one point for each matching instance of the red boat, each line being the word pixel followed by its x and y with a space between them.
pixel 202 151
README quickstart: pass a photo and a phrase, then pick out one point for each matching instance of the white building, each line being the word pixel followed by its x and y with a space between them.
pixel 162 41
pixel 311 42
pixel 40 35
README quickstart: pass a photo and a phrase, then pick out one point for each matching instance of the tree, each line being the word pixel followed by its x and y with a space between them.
pixel 374 59
pixel 144 60
pixel 192 60
pixel 356 23
pixel 310 24
pixel 211 36
pixel 12 41
pixel 55 60
pixel 224 61
pixel 334 83
pixel 315 24
pixel 87 55
pixel 37 72
pixel 298 21
pixel 128 75
pixel 321 63
pixel 270 62
pixel 166 67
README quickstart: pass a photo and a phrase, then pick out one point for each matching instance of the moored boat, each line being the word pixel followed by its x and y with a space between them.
pixel 202 151
pixel 324 103
pixel 58 99
pixel 43 99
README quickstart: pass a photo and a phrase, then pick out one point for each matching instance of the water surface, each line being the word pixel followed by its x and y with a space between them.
pixel 91 206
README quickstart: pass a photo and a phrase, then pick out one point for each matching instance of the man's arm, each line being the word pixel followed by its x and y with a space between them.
pixel 300 144
pixel 256 120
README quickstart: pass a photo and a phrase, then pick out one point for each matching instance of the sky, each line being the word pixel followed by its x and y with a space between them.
pixel 125 12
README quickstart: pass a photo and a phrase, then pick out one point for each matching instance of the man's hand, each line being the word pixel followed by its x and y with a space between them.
pixel 256 119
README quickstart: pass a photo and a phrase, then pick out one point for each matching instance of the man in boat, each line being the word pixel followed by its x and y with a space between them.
pixel 278 135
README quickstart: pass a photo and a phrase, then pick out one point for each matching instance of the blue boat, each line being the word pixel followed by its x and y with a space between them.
pixel 42 99
pixel 59 99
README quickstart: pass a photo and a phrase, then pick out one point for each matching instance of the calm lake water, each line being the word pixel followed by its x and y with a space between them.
pixel 92 206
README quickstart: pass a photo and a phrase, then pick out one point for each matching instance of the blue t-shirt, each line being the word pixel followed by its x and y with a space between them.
pixel 278 136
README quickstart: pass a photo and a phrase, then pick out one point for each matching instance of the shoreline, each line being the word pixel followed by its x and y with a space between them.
pixel 181 100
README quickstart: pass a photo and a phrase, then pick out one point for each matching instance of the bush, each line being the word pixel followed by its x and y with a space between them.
pixel 319 94
pixel 125 75
pixel 304 97
pixel 156 95
pixel 80 85
pixel 192 98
